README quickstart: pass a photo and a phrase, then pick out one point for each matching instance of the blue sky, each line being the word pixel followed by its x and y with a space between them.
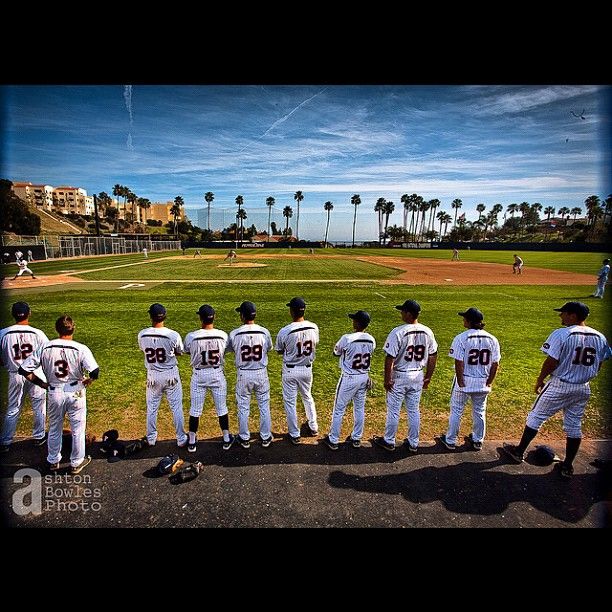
pixel 489 144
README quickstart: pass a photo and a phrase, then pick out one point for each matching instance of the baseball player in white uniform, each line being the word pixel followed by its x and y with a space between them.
pixel 161 346
pixel 575 354
pixel 23 268
pixel 250 343
pixel 410 349
pixel 602 279
pixel 476 354
pixel 297 343
pixel 517 266
pixel 18 255
pixel 64 363
pixel 17 343
pixel 207 349
pixel 355 351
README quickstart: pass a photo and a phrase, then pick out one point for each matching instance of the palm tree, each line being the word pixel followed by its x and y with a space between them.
pixel 132 197
pixel 415 204
pixel 575 211
pixel 405 200
pixel 591 203
pixel 118 191
pixel 549 210
pixel 379 208
pixel 456 204
pixel 144 204
pixel 287 213
pixel 104 201
pixel 480 208
pixel 270 201
pixel 512 209
pixel 298 197
pixel 242 215
pixel 524 209
pixel 447 220
pixel 239 201
pixel 175 211
pixel 355 201
pixel 564 210
pixel 423 207
pixel 328 206
pixel 209 196
pixel 389 208
pixel 433 205
pixel 440 217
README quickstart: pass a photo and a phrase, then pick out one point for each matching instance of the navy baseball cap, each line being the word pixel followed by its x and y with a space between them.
pixel 578 308
pixel 414 308
pixel 155 310
pixel 20 309
pixel 206 312
pixel 297 303
pixel 247 309
pixel 473 315
pixel 362 317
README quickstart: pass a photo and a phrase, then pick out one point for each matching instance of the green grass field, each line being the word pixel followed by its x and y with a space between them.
pixel 109 320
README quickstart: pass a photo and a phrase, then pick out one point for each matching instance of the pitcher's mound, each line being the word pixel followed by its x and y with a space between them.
pixel 242 264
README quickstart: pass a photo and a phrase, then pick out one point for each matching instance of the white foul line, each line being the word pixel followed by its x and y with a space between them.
pixel 381 295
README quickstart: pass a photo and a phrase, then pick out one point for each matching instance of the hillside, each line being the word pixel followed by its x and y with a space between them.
pixel 53 224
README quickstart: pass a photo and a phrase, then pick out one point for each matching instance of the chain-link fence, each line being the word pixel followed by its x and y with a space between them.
pixel 50 247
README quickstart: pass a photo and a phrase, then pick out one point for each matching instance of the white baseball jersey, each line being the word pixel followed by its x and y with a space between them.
pixel 160 346
pixel 18 255
pixel 251 344
pixel 63 362
pixel 207 348
pixel 479 350
pixel 518 261
pixel 410 345
pixel 604 272
pixel 298 343
pixel 17 343
pixel 355 352
pixel 580 351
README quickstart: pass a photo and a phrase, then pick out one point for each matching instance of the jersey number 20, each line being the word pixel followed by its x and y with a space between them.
pixel 479 356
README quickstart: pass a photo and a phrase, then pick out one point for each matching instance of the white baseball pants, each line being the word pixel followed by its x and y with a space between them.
pixel 459 399
pixel 169 383
pixel 257 382
pixel 205 380
pixel 18 387
pixel 407 387
pixel 601 287
pixel 24 270
pixel 298 380
pixel 349 388
pixel 72 404
pixel 558 395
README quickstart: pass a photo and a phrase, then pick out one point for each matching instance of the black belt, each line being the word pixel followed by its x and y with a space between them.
pixel 211 368
pixel 72 384
pixel 297 365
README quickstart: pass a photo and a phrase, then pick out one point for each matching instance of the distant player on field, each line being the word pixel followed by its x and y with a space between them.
pixel 23 268
pixel 197 253
pixel 517 266
pixel 144 252
pixel 455 256
pixel 231 256
pixel 602 279
pixel 575 354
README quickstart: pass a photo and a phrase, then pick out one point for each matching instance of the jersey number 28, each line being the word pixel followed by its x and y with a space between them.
pixel 155 355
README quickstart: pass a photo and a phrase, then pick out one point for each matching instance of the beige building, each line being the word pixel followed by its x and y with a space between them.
pixel 161 212
pixel 126 208
pixel 72 200
pixel 40 196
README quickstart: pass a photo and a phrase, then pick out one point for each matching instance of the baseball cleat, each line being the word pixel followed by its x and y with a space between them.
pixel 294 440
pixel 407 445
pixel 477 446
pixel 40 441
pixel 332 445
pixel 244 443
pixel 227 445
pixel 448 445
pixel 77 469
pixel 353 443
pixel 265 442
pixel 512 453
pixel 380 441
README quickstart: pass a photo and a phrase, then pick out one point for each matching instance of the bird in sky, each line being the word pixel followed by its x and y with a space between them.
pixel 580 116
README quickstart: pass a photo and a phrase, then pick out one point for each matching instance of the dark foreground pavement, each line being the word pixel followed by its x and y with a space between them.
pixel 311 486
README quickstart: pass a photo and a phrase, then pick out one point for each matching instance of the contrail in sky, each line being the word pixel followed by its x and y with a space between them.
pixel 284 118
pixel 127 96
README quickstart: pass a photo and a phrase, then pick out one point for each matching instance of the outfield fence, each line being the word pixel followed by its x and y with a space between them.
pixel 51 247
